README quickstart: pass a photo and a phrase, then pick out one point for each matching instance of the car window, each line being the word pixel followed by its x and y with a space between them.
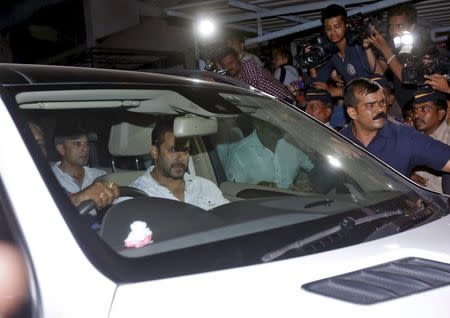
pixel 283 174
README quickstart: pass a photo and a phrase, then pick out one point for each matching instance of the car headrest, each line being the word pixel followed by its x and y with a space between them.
pixel 126 139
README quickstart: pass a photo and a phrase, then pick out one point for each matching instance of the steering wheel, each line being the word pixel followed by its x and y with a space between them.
pixel 124 191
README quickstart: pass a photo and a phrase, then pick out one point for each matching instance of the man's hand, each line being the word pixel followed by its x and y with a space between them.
pixel 102 193
pixel 337 78
pixel 420 180
pixel 333 90
pixel 377 40
pixel 438 82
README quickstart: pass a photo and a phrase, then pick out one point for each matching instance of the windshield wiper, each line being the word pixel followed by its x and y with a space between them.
pixel 345 225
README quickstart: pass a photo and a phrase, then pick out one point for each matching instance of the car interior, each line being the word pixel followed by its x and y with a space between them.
pixel 120 123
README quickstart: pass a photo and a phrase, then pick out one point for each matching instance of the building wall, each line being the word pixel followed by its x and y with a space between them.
pixel 136 25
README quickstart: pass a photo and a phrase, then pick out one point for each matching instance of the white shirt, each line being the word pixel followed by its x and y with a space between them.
pixel 197 191
pixel 70 184
pixel 291 74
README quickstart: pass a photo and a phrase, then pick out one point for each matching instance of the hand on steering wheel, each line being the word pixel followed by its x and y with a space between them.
pixel 102 194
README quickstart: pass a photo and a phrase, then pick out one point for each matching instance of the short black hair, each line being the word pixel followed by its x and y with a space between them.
pixel 359 86
pixel 225 52
pixel 68 133
pixel 163 126
pixel 406 9
pixel 333 10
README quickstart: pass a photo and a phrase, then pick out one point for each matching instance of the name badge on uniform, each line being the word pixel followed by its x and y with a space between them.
pixel 351 69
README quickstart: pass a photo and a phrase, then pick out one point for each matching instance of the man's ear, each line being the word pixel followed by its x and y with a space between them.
pixel 351 111
pixel 60 149
pixel 330 110
pixel 242 46
pixel 442 113
pixel 154 152
pixel 391 99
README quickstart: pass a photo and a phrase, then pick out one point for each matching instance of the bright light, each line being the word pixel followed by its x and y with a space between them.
pixel 407 39
pixel 398 41
pixel 206 28
pixel 404 39
pixel 334 162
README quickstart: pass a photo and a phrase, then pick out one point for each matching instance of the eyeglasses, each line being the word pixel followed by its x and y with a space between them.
pixel 421 109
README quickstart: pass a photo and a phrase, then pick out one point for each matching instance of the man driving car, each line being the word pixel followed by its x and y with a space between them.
pixel 102 193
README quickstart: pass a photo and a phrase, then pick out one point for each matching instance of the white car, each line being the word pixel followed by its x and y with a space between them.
pixel 315 227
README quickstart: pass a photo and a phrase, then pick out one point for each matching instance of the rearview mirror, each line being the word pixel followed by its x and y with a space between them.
pixel 193 126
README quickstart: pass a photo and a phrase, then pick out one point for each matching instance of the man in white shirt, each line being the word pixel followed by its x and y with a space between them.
pixel 168 177
pixel 102 193
pixel 72 171
pixel 284 72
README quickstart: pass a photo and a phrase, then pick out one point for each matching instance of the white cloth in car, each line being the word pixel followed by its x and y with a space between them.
pixel 198 191
pixel 70 184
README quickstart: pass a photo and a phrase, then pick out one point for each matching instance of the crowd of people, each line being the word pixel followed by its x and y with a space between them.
pixel 359 92
pixel 419 109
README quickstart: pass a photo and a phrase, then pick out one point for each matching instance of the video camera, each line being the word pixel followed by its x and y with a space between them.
pixel 418 63
pixel 314 52
pixel 361 27
pixel 414 69
pixel 209 55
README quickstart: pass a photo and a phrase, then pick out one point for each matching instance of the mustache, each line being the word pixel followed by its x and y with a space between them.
pixel 418 121
pixel 180 165
pixel 379 116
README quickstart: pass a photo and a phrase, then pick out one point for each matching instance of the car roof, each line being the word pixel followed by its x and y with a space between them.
pixel 23 74
pixel 218 77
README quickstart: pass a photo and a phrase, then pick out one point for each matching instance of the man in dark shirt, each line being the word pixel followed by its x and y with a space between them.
pixel 398 145
pixel 350 61
pixel 249 72
pixel 319 105
pixel 401 18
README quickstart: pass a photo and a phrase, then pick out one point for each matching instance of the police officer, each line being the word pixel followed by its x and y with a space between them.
pixel 396 144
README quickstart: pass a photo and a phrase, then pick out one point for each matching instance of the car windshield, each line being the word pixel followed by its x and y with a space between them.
pixel 284 174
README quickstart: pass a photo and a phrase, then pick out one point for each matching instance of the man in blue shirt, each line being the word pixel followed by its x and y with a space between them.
pixel 350 61
pixel 398 145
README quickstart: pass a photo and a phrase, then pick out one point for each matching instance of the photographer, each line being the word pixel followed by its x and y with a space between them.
pixel 350 61
pixel 401 20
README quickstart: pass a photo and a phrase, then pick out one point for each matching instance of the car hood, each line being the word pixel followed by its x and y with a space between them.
pixel 275 289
